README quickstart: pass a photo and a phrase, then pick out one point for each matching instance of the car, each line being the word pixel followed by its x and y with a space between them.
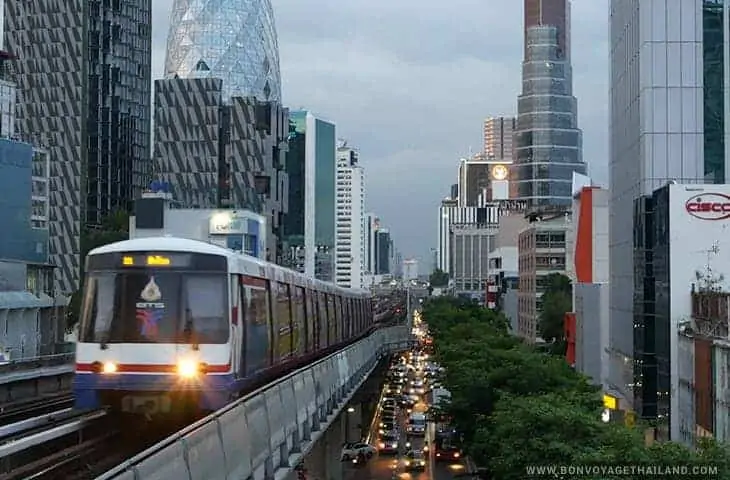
pixel 414 460
pixel 388 417
pixel 354 449
pixel 389 425
pixel 389 410
pixel 388 442
pixel 417 424
pixel 448 453
pixel 389 403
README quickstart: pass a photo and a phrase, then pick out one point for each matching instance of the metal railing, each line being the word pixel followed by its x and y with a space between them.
pixel 36 362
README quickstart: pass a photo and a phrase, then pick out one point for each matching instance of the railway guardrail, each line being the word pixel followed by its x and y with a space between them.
pixel 265 434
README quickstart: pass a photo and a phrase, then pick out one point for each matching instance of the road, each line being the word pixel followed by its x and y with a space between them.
pixel 386 467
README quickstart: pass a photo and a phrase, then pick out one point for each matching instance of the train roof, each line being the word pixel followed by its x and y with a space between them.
pixel 238 262
pixel 171 244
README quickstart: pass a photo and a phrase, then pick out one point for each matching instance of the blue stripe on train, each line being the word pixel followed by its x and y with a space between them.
pixel 216 391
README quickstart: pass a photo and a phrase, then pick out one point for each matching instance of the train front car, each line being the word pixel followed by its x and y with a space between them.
pixel 154 334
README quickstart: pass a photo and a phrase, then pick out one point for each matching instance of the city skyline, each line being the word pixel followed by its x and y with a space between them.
pixel 391 117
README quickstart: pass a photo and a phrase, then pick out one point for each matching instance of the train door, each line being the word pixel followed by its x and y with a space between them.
pixel 312 325
pixel 299 320
pixel 238 326
pixel 257 322
pixel 323 319
pixel 282 321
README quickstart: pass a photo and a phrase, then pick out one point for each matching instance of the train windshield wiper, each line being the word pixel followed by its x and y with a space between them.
pixel 189 334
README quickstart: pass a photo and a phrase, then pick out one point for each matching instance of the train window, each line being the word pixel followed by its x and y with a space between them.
pixel 332 335
pixel 206 308
pixel 298 320
pixel 258 346
pixel 312 331
pixel 338 316
pixel 136 306
pixel 323 318
pixel 282 320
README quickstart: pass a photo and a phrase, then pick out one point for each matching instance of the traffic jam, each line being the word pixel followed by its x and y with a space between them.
pixel 410 433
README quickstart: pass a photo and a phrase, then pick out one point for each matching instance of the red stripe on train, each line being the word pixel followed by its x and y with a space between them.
pixel 147 368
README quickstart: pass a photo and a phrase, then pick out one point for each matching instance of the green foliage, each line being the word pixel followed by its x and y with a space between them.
pixel 556 301
pixel 517 406
pixel 438 278
pixel 114 228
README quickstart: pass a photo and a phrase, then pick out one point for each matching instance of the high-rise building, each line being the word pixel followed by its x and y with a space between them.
pixel 482 180
pixel 383 252
pixel 548 143
pixel 668 122
pixel 119 58
pixel 372 224
pixel 410 269
pixel 350 219
pixel 311 166
pixel 498 133
pixel 234 40
pixel 48 38
pixel 222 154
pixel 550 12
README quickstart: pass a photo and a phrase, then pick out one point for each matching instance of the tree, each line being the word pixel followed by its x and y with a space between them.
pixel 114 227
pixel 515 406
pixel 439 278
pixel 556 301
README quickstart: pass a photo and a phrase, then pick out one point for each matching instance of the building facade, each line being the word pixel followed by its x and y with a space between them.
pixel 482 180
pixel 48 38
pixel 451 214
pixel 225 154
pixel 312 170
pixel 498 135
pixel 550 12
pixel 119 58
pixel 350 219
pixel 383 252
pixel 548 143
pixel 587 267
pixel 232 40
pixel 541 252
pixel 668 109
pixel 410 269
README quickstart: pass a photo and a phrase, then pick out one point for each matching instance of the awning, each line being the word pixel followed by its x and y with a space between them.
pixel 17 300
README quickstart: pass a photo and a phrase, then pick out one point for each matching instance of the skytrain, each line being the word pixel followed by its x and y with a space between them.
pixel 171 325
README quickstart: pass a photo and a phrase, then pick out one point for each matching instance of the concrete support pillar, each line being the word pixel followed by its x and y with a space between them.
pixel 352 423
pixel 334 439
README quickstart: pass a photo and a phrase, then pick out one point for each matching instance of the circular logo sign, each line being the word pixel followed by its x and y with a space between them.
pixel 499 172
pixel 709 206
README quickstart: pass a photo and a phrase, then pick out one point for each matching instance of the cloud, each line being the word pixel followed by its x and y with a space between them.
pixel 411 82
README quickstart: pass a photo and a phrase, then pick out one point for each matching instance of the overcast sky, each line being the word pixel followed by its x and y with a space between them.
pixel 410 82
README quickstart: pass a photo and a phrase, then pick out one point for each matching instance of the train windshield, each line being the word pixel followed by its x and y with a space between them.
pixel 154 306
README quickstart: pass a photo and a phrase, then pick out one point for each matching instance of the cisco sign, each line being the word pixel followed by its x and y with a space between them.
pixel 709 206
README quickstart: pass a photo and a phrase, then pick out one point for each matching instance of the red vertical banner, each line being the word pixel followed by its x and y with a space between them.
pixel 569 331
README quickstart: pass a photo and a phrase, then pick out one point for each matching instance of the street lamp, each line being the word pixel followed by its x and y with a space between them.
pixel 347 423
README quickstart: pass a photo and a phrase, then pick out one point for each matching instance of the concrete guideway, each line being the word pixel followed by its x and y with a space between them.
pixel 267 433
pixel 27 378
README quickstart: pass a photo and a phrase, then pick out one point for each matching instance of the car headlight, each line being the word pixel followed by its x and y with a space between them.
pixel 381 445
pixel 109 367
pixel 188 368
pixel 456 455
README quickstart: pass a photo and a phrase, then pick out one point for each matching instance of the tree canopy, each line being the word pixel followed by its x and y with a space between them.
pixel 556 300
pixel 438 278
pixel 517 407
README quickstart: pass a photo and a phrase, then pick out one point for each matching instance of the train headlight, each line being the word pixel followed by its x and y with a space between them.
pixel 109 367
pixel 188 368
